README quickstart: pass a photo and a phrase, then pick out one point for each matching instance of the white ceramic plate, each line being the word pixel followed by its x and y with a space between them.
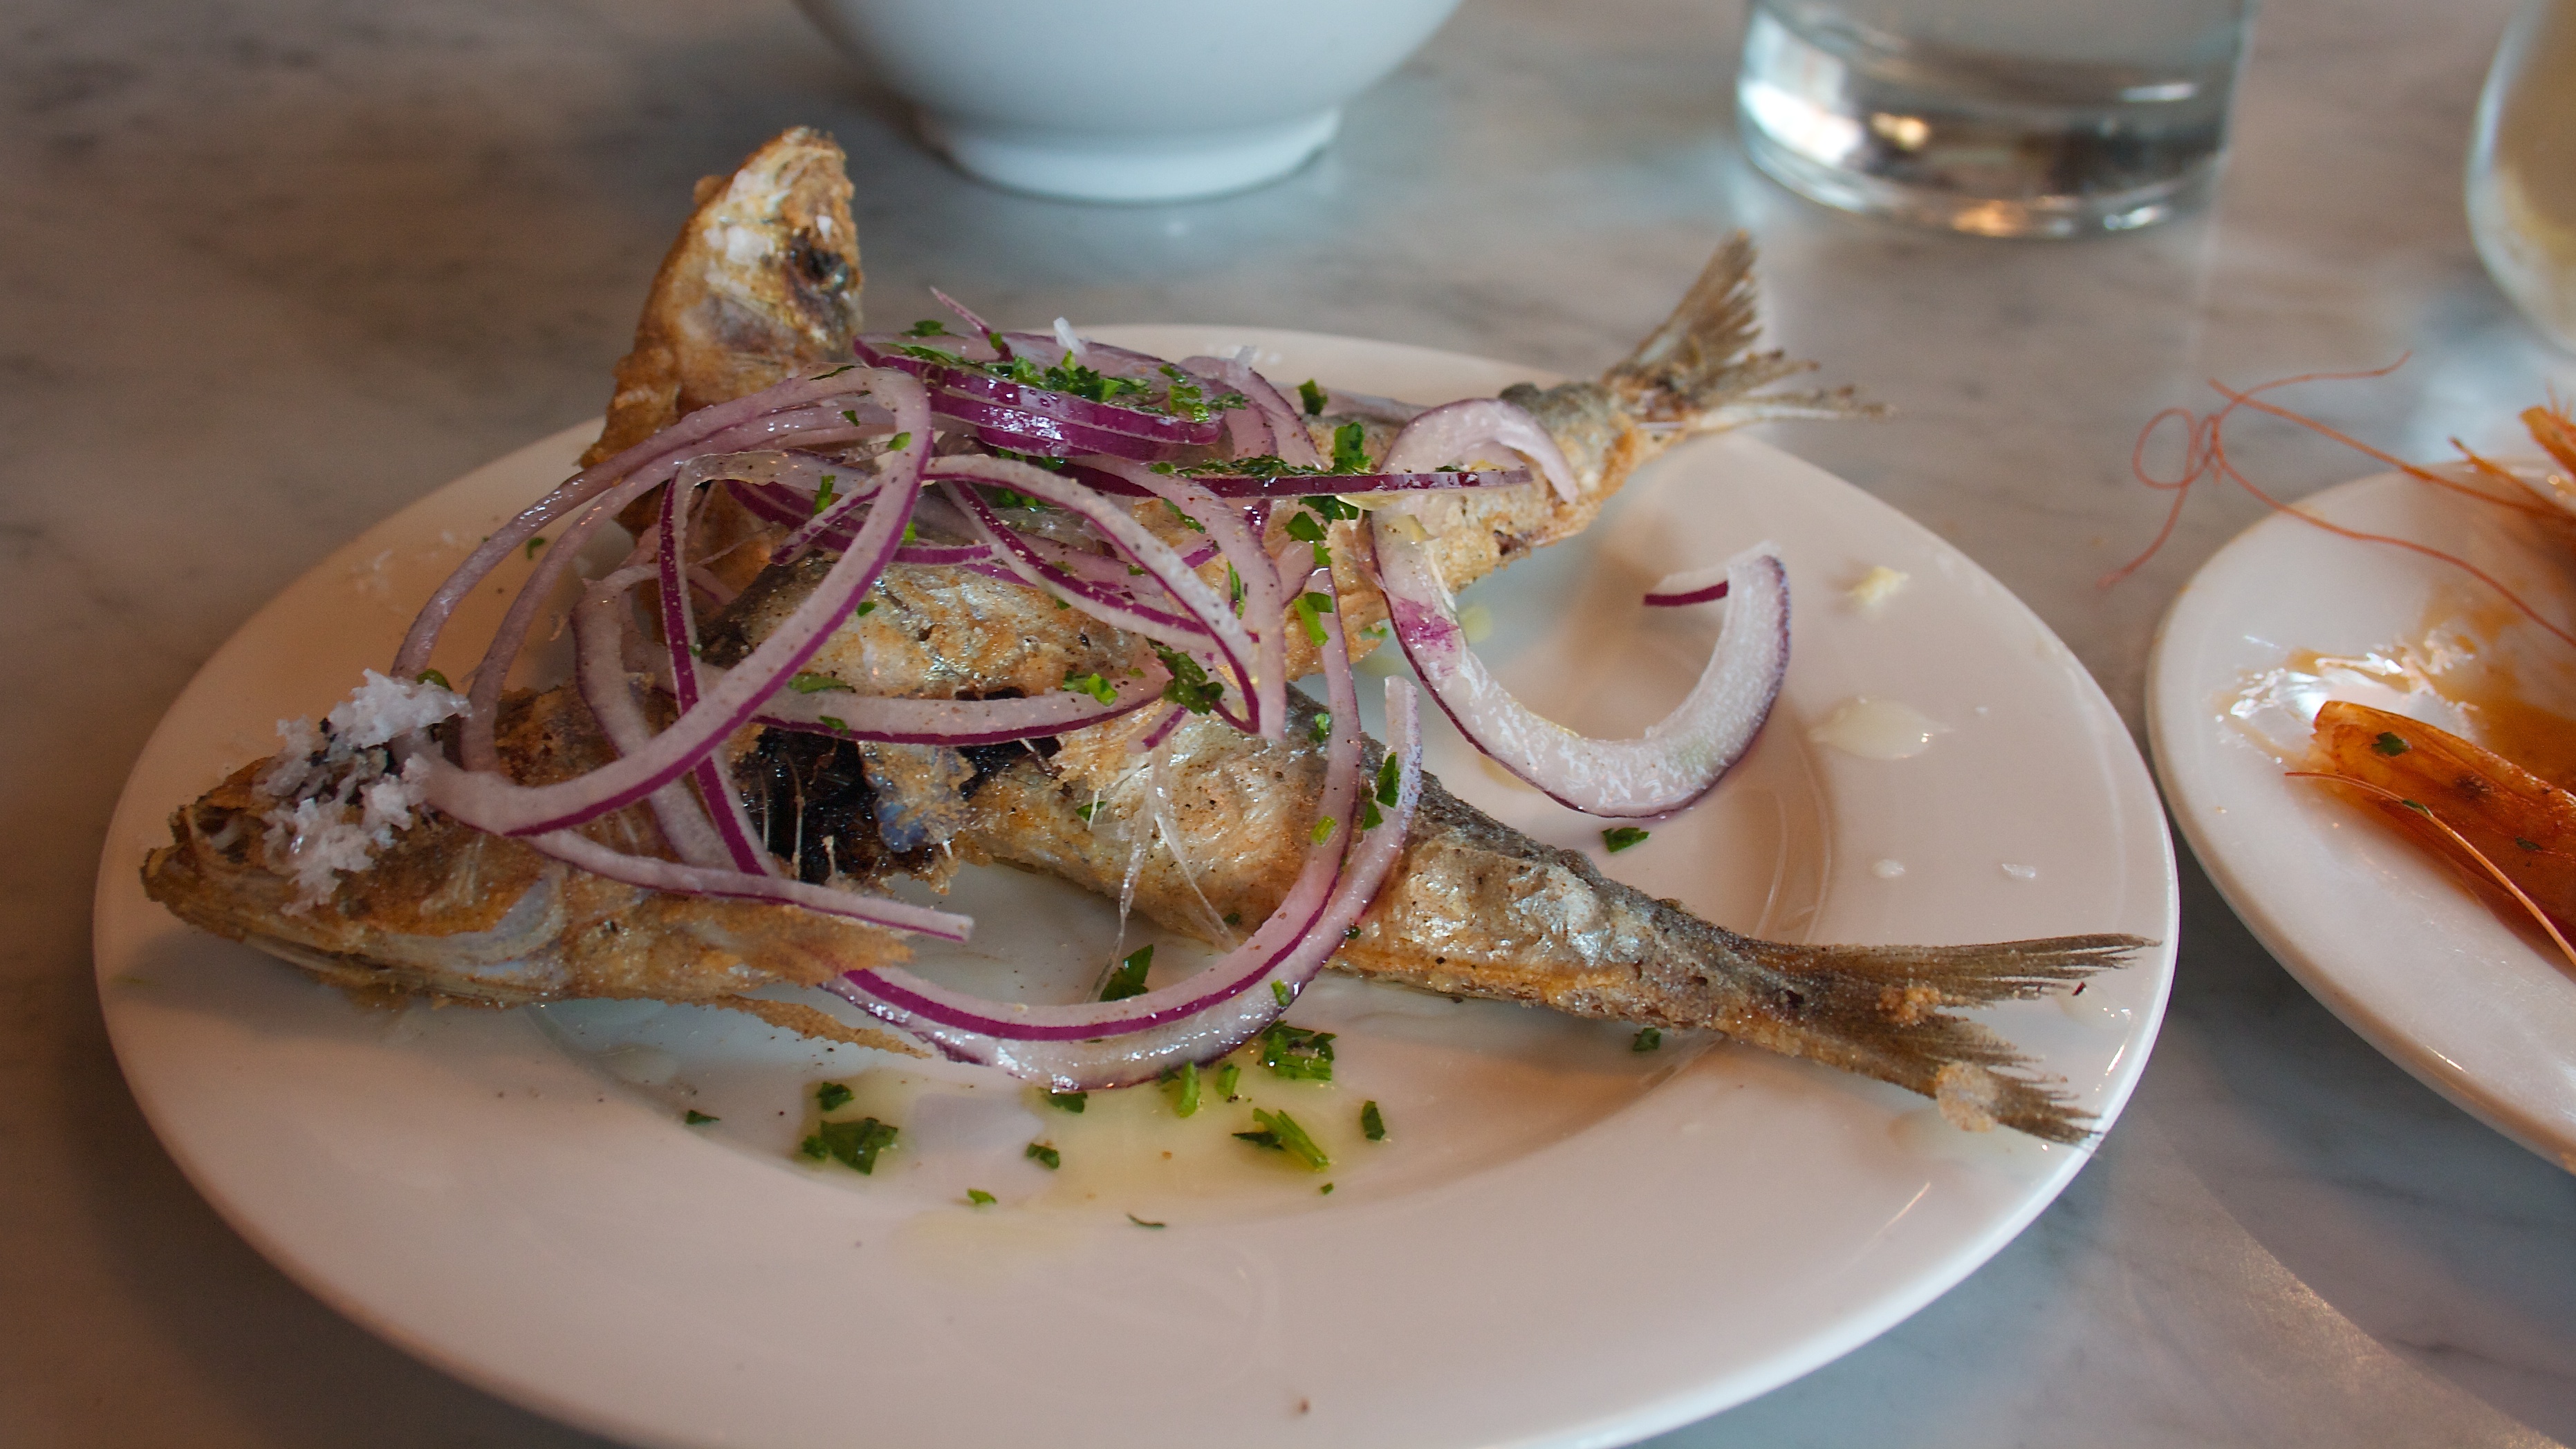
pixel 1564 1242
pixel 2384 934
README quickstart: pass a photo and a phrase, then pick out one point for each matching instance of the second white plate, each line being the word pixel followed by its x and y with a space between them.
pixel 2380 931
pixel 478 1189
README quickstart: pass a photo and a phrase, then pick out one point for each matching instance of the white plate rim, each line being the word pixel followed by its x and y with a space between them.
pixel 2144 848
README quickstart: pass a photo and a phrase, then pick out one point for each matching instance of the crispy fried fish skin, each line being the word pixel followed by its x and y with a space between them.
pixel 1475 908
pixel 452 912
pixel 762 282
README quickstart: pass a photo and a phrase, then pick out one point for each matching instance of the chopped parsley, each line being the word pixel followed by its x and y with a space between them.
pixel 1312 396
pixel 833 1096
pixel 2390 743
pixel 1085 811
pixel 1619 837
pixel 1183 1084
pixel 978 1197
pixel 1372 1122
pixel 1306 608
pixel 1012 498
pixel 1190 687
pixel 1296 1053
pixel 1323 729
pixel 807 682
pixel 835 372
pixel 1390 781
pixel 432 676
pixel 1329 507
pixel 833 722
pixel 865 608
pixel 1234 589
pixel 927 328
pixel 1235 918
pixel 1304 527
pixel 1226 1077
pixel 1140 1222
pixel 1323 830
pixel 1350 451
pixel 1369 818
pixel 1326 1190
pixel 1044 1156
pixel 899 442
pixel 1068 1101
pixel 2526 844
pixel 1648 1038
pixel 1279 1132
pixel 536 543
pixel 856 1144
pixel 823 494
pixel 1092 684
pixel 1181 516
pixel 695 1118
pixel 1129 979
pixel 1280 992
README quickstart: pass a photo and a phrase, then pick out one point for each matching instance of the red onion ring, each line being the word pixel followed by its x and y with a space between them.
pixel 1100 1045
pixel 1679 758
pixel 1451 431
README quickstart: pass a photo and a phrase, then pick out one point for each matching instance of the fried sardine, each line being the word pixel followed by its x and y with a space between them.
pixel 1210 825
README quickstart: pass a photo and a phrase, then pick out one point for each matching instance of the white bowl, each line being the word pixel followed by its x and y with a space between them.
pixel 1146 100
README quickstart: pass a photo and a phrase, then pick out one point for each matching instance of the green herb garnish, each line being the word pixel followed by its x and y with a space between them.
pixel 865 608
pixel 1323 728
pixel 2390 743
pixel 1068 1101
pixel 1226 1077
pixel 1306 608
pixel 1085 811
pixel 1372 1123
pixel 1328 507
pixel 1390 781
pixel 978 1197
pixel 695 1118
pixel 1190 687
pixel 1140 1222
pixel 1648 1038
pixel 1350 452
pixel 833 722
pixel 1129 979
pixel 1280 1133
pixel 1279 992
pixel 899 442
pixel 536 543
pixel 1619 837
pixel 835 372
pixel 432 676
pixel 806 682
pixel 823 494
pixel 833 1096
pixel 1092 684
pixel 1296 1053
pixel 1044 1156
pixel 856 1144
pixel 1183 1083
pixel 1312 396
pixel 1326 1190
pixel 927 328
pixel 1182 516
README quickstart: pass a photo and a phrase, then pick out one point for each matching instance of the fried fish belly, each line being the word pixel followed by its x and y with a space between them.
pixel 451 913
pixel 1213 825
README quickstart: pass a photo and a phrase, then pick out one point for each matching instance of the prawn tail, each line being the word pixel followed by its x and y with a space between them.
pixel 1885 1012
pixel 1699 372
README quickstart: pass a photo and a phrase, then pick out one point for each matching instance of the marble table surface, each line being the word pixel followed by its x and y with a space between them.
pixel 269 272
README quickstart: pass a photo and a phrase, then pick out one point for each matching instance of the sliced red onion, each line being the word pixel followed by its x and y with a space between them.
pixel 1289 442
pixel 1109 603
pixel 1453 431
pixel 602 622
pixel 1691 586
pixel 1306 485
pixel 966 380
pixel 957 723
pixel 574 848
pixel 1342 403
pixel 1027 432
pixel 1678 759
pixel 1264 608
pixel 680 635
pixel 1145 551
pixel 1100 1045
pixel 489 801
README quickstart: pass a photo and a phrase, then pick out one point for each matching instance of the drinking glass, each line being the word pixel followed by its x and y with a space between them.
pixel 2522 168
pixel 2021 118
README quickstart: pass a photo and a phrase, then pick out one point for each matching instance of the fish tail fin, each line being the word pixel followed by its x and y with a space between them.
pixel 1699 372
pixel 1881 1011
